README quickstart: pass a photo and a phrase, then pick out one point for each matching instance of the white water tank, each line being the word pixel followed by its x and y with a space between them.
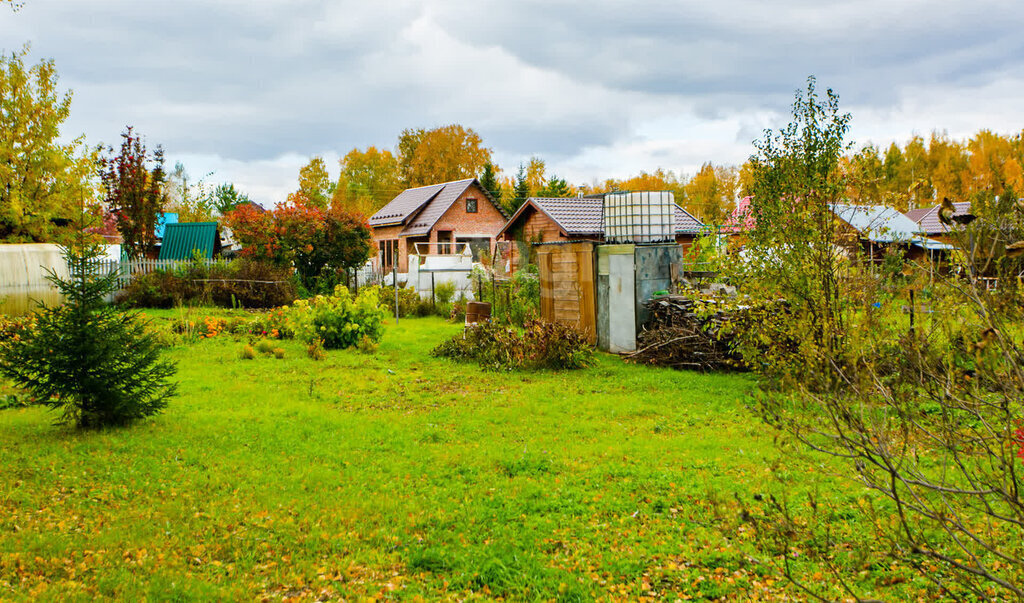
pixel 639 217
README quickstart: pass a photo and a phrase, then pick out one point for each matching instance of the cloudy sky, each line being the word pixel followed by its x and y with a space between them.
pixel 250 89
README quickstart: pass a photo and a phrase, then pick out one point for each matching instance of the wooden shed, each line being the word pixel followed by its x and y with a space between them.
pixel 567 293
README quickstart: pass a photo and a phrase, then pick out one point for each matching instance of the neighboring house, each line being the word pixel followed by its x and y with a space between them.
pixel 183 240
pixel 927 219
pixel 877 228
pixel 436 219
pixel 546 220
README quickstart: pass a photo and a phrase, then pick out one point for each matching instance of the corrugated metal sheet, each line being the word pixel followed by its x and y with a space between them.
pixel 881 224
pixel 181 240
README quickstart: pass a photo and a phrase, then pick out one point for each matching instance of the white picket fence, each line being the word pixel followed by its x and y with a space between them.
pixel 129 269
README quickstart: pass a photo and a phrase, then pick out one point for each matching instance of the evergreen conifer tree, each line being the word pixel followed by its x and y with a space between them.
pixel 98 366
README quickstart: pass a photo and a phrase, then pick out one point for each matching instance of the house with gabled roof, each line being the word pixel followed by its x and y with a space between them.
pixel 436 219
pixel 548 219
pixel 927 219
pixel 875 229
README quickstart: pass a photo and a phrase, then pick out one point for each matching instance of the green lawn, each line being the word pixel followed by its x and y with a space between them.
pixel 398 475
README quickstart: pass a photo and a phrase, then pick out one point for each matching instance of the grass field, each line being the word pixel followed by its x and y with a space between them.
pixel 397 475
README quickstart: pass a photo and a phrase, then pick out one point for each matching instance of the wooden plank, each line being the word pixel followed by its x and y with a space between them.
pixel 547 309
pixel 587 293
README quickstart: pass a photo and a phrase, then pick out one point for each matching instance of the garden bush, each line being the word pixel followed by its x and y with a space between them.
pixel 339 320
pixel 542 345
pixel 241 283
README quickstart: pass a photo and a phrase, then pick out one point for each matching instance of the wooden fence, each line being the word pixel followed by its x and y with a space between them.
pixel 567 285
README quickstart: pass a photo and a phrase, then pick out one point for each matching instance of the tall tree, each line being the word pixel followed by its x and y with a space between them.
pixel 368 180
pixel 489 181
pixel 555 187
pixel 867 176
pixel 521 192
pixel 711 193
pixel 40 178
pixel 315 186
pixel 440 155
pixel 536 176
pixel 134 191
pixel 192 201
pixel 796 179
pixel 227 198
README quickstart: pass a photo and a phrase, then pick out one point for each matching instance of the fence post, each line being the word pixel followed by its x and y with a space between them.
pixel 433 302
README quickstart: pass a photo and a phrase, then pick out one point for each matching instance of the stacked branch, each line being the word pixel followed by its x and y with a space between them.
pixel 681 334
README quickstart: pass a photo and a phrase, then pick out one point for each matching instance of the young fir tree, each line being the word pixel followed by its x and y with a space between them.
pixel 489 181
pixel 96 365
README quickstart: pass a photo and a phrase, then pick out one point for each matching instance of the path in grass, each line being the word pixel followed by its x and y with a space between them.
pixel 400 475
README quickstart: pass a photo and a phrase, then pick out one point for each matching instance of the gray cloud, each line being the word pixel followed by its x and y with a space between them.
pixel 249 82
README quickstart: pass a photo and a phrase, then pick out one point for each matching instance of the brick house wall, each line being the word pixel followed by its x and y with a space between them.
pixel 485 222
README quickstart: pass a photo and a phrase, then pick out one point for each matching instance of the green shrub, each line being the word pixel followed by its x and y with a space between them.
pixel 248 353
pixel 409 302
pixel 264 347
pixel 444 292
pixel 339 320
pixel 278 353
pixel 98 366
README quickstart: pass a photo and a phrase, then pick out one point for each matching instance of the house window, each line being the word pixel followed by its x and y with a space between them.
pixel 471 205
pixel 389 254
pixel 444 242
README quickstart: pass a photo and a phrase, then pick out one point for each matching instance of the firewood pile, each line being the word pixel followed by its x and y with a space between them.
pixel 684 335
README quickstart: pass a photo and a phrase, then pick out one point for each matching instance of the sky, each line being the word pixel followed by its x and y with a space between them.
pixel 246 91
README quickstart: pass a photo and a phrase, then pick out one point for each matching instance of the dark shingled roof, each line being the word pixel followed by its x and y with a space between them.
pixel 404 205
pixel 579 216
pixel 420 208
pixel 573 215
pixel 425 220
pixel 686 223
pixel 928 217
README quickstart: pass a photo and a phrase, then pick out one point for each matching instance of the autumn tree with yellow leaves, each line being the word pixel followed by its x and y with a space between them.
pixel 44 181
pixel 442 154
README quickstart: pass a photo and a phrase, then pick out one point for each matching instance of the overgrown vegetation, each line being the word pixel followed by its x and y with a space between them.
pixel 514 301
pixel 541 345
pixel 99 367
pixel 235 284
pixel 924 407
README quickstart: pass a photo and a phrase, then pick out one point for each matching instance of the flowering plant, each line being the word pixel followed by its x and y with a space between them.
pixel 338 319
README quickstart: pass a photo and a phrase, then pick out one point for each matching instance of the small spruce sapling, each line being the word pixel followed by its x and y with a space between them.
pixel 95 364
